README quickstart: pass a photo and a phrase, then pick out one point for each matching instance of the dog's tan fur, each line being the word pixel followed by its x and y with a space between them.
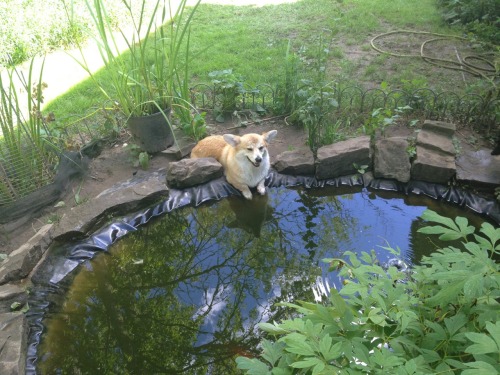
pixel 245 158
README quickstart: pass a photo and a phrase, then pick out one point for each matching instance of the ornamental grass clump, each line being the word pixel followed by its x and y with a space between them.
pixel 27 154
pixel 143 77
pixel 443 317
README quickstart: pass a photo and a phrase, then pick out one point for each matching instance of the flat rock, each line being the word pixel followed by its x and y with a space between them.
pixel 479 166
pixel 339 158
pixel 431 166
pixel 191 172
pixel 21 261
pixel 440 127
pixel 296 162
pixel 391 159
pixel 122 198
pixel 13 337
pixel 436 142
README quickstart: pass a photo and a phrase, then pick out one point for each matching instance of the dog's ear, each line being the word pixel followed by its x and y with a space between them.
pixel 269 136
pixel 233 140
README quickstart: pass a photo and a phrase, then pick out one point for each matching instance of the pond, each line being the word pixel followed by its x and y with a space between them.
pixel 183 294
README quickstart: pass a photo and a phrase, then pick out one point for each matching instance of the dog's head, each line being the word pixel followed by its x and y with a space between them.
pixel 251 146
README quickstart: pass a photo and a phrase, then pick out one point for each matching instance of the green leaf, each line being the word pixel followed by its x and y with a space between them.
pixel 491 232
pixel 252 365
pixel 494 330
pixel 454 323
pixel 297 344
pixel 15 305
pixel 429 215
pixel 272 352
pixel 448 292
pixel 307 363
pixel 483 344
pixel 445 233
pixel 480 368
pixel 473 287
pixel 272 328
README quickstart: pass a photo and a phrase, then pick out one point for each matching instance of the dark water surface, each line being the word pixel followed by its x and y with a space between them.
pixel 183 294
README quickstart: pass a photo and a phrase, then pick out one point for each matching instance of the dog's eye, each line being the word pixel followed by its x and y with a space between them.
pixel 250 148
pixel 261 148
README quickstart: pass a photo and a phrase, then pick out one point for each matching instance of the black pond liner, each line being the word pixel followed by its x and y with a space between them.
pixel 50 278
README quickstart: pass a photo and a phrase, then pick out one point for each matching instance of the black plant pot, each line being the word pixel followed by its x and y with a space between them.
pixel 152 133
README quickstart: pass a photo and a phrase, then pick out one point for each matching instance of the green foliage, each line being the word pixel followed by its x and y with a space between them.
pixel 381 118
pixel 27 151
pixel 227 90
pixel 137 157
pixel 314 103
pixel 440 318
pixel 143 80
pixel 480 16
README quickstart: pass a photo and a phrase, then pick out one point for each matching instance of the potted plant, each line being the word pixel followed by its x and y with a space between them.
pixel 142 81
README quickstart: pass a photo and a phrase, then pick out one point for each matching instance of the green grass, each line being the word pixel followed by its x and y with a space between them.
pixel 252 42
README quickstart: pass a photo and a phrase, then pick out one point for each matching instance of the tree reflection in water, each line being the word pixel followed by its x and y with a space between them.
pixel 183 294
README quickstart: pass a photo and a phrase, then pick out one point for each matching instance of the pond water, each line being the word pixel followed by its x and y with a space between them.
pixel 183 294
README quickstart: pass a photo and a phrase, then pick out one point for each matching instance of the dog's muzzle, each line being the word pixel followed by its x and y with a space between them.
pixel 255 163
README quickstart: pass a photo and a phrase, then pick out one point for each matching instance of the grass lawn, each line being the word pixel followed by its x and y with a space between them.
pixel 252 41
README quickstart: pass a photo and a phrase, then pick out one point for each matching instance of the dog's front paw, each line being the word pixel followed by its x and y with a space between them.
pixel 261 190
pixel 247 194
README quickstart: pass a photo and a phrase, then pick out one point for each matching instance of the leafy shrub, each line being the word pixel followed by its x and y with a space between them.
pixel 442 317
pixel 480 16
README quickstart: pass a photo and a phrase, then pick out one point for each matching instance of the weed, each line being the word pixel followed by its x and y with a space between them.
pixel 137 157
pixel 227 90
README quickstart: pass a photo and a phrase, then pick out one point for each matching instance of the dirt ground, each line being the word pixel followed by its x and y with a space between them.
pixel 115 164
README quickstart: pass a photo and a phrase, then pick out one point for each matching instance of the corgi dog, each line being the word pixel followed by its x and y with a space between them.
pixel 245 158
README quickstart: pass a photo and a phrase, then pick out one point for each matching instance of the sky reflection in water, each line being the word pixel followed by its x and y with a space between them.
pixel 183 294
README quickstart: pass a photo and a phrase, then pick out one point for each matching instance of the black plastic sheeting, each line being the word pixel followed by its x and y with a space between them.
pixel 51 278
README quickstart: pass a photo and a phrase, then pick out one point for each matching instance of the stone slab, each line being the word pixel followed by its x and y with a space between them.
pixel 339 158
pixel 21 261
pixel 391 159
pixel 431 166
pixel 191 172
pixel 479 166
pixel 439 143
pixel 439 127
pixel 13 337
pixel 297 162
pixel 140 191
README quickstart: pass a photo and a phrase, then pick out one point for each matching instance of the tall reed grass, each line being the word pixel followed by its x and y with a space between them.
pixel 27 154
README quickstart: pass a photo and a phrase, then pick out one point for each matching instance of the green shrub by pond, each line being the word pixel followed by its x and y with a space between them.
pixel 440 318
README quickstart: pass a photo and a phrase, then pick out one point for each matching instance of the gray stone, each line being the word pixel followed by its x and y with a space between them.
pixel 13 337
pixel 432 167
pixel 339 158
pixel 20 262
pixel 439 127
pixel 391 159
pixel 10 291
pixel 296 162
pixel 120 199
pixel 191 172
pixel 479 166
pixel 181 149
pixel 436 142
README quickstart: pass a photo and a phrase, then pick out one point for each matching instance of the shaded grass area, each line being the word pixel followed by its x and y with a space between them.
pixel 252 41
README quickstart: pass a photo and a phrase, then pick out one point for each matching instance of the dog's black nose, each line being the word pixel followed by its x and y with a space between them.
pixel 258 159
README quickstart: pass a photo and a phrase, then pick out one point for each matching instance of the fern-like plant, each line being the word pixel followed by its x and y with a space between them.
pixel 440 318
